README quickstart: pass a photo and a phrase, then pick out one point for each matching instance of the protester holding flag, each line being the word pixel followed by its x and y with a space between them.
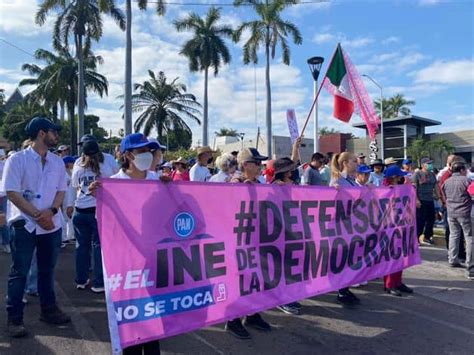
pixel 343 170
pixel 91 166
pixel 393 283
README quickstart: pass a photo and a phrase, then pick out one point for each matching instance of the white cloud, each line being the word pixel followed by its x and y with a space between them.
pixel 18 17
pixel 445 72
pixel 429 2
pixel 358 42
pixel 391 39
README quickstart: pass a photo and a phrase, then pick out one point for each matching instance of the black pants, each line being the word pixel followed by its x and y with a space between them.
pixel 150 348
pixel 425 218
pixel 462 248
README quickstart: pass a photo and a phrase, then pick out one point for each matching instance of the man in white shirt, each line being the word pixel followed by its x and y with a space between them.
pixel 35 184
pixel 200 171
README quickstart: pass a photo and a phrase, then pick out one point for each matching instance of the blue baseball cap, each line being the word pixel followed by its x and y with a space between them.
pixel 364 169
pixel 40 123
pixel 406 162
pixel 394 170
pixel 68 159
pixel 136 141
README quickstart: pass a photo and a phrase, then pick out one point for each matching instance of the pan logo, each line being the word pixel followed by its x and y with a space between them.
pixel 184 224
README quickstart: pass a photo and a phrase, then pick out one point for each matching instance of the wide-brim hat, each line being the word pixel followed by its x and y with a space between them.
pixel 377 162
pixel 250 155
pixel 284 165
pixel 180 160
pixel 205 149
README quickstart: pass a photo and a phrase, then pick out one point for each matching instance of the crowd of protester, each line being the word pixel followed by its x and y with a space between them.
pixel 51 203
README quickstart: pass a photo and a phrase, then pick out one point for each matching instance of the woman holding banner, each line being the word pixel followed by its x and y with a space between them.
pixel 343 170
pixel 393 283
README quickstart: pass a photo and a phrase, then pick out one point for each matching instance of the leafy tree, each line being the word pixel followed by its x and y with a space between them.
pixel 325 131
pixel 80 19
pixel 268 31
pixel 57 81
pixel 394 106
pixel 15 121
pixel 178 139
pixel 164 105
pixel 2 104
pixel 142 4
pixel 205 50
pixel 227 132
pixel 91 123
pixel 420 148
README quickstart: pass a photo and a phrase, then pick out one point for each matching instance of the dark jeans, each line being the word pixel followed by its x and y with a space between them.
pixel 425 218
pixel 4 231
pixel 150 348
pixel 23 245
pixel 87 238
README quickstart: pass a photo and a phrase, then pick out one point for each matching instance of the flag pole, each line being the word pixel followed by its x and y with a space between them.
pixel 317 94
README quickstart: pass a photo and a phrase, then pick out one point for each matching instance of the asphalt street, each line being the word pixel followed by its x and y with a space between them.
pixel 437 319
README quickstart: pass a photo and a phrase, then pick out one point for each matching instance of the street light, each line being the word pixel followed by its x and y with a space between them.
pixel 381 113
pixel 241 135
pixel 315 64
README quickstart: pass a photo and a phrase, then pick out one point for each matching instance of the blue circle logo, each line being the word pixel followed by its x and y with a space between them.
pixel 184 224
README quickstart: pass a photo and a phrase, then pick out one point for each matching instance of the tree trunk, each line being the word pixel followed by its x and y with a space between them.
pixel 128 70
pixel 205 113
pixel 80 88
pixel 62 113
pixel 54 110
pixel 268 112
pixel 72 126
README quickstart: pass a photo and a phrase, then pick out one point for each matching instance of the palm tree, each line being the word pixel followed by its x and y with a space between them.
pixel 57 81
pixel 205 50
pixel 82 20
pixel 142 4
pixel 227 132
pixel 268 31
pixel 394 106
pixel 164 105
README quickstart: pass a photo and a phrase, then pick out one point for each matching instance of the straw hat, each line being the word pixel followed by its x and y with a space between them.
pixel 180 160
pixel 205 149
pixel 283 165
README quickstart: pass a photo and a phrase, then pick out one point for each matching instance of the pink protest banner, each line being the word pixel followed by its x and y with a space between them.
pixel 182 256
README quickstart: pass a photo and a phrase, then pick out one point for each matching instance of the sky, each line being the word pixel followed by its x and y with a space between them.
pixel 422 49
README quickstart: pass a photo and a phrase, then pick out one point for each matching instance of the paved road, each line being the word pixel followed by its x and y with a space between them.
pixel 438 318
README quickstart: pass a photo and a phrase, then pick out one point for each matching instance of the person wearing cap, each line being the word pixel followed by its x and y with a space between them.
pixel 362 175
pixel 63 151
pixel 200 171
pixel 361 159
pixel 376 176
pixel 393 284
pixel 136 159
pixel 180 172
pixel 166 169
pixel 91 166
pixel 34 182
pixel 109 159
pixel 459 206
pixel 157 155
pixel 426 187
pixel 227 165
pixel 312 176
pixel 250 165
pixel 407 167
pixel 343 170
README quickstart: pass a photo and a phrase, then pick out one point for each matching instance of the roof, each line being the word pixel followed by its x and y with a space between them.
pixel 404 120
pixel 13 99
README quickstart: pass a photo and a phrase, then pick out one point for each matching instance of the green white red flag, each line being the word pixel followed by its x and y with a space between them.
pixel 350 95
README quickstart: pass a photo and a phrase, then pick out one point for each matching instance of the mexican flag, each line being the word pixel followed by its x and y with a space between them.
pixel 350 95
pixel 338 77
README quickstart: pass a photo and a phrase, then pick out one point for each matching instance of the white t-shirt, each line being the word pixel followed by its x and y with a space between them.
pixel 199 173
pixel 109 160
pixel 220 177
pixel 150 175
pixel 81 179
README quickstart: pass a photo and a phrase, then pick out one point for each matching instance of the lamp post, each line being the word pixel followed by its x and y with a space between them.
pixel 241 135
pixel 381 114
pixel 315 64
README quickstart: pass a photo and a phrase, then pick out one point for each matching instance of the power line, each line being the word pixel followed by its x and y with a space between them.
pixel 16 47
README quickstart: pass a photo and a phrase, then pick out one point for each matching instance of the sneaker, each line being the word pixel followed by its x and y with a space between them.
pixel 289 309
pixel 16 329
pixel 296 305
pixel 24 300
pixel 351 295
pixel 53 315
pixel 97 289
pixel 236 328
pixel 346 297
pixel 63 245
pixel 425 241
pixel 83 286
pixel 6 248
pixel 256 321
pixel 455 265
pixel 470 277
pixel 393 292
pixel 404 288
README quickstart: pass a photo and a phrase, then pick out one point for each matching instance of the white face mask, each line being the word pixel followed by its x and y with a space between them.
pixel 143 161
